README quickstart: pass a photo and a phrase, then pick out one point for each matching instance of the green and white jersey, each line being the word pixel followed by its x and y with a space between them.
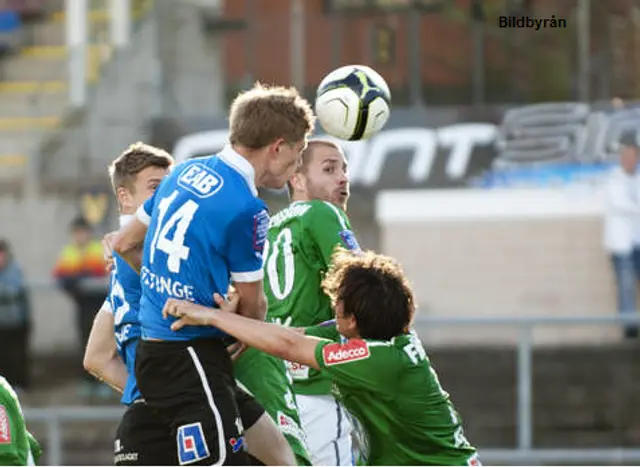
pixel 300 242
pixel 393 391
pixel 17 446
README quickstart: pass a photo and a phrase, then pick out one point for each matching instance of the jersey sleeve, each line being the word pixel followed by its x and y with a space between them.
pixel 12 433
pixel 352 364
pixel 245 243
pixel 143 214
pixel 326 330
pixel 329 228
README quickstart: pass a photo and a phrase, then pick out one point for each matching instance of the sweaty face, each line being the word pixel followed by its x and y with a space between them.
pixel 326 176
pixel 283 163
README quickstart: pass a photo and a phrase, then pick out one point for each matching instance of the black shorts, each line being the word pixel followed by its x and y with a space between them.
pixel 191 385
pixel 143 438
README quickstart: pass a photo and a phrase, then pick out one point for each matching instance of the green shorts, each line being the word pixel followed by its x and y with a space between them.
pixel 266 377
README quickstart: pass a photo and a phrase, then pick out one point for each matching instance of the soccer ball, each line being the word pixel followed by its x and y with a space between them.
pixel 353 102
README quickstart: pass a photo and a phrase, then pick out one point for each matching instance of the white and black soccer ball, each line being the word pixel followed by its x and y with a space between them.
pixel 353 102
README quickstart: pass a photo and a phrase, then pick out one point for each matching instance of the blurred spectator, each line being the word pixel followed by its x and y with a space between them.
pixel 15 320
pixel 621 218
pixel 11 32
pixel 80 272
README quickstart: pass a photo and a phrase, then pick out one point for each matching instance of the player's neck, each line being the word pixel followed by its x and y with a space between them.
pixel 253 157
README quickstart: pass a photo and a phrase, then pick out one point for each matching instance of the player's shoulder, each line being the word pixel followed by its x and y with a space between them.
pixel 356 350
pixel 7 394
pixel 209 176
pixel 324 211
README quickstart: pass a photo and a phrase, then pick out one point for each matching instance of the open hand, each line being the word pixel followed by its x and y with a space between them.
pixel 191 314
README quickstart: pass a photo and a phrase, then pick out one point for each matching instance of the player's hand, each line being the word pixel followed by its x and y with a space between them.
pixel 236 349
pixel 107 249
pixel 228 306
pixel 188 313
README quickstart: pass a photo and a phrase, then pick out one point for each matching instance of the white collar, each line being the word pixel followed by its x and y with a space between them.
pixel 125 219
pixel 231 157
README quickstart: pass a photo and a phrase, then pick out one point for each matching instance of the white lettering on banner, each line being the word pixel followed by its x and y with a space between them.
pixel 367 159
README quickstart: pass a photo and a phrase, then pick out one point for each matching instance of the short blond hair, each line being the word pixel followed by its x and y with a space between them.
pixel 263 114
pixel 134 159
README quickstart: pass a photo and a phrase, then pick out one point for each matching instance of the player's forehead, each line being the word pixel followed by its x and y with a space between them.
pixel 322 154
pixel 152 173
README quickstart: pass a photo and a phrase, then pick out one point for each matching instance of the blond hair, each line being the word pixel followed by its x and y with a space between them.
pixel 263 114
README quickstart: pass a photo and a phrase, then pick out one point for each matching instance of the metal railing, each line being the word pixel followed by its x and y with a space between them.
pixel 524 453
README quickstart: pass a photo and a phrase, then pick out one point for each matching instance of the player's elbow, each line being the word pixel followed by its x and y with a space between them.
pixel 96 360
pixel 92 363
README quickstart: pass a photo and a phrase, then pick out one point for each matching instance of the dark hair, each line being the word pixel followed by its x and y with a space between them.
pixel 80 223
pixel 374 289
pixel 4 246
pixel 137 157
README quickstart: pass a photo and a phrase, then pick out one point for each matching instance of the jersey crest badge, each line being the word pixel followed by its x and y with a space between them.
pixel 353 350
pixel 349 240
pixel 5 427
pixel 192 445
pixel 260 229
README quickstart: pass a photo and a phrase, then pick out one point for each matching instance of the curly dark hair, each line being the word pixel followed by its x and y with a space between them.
pixel 374 289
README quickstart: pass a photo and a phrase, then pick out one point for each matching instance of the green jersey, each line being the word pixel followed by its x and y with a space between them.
pixel 17 446
pixel 393 392
pixel 301 241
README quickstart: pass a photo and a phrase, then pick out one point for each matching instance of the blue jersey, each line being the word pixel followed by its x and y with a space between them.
pixel 206 227
pixel 124 303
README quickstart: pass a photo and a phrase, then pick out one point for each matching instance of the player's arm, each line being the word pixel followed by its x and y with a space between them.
pixel 273 339
pixel 246 236
pixel 128 241
pixel 101 358
pixel 329 228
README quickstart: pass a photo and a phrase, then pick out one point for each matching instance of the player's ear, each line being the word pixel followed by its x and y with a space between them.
pixel 125 199
pixel 276 147
pixel 298 182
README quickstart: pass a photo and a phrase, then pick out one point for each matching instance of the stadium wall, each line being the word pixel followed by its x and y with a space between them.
pixel 527 252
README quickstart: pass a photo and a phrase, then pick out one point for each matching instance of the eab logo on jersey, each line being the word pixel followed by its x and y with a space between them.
pixel 200 180
pixel 353 350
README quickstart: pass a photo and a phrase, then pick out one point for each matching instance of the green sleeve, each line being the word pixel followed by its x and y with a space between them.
pixel 329 227
pixel 13 449
pixel 325 330
pixel 358 364
pixel 36 450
